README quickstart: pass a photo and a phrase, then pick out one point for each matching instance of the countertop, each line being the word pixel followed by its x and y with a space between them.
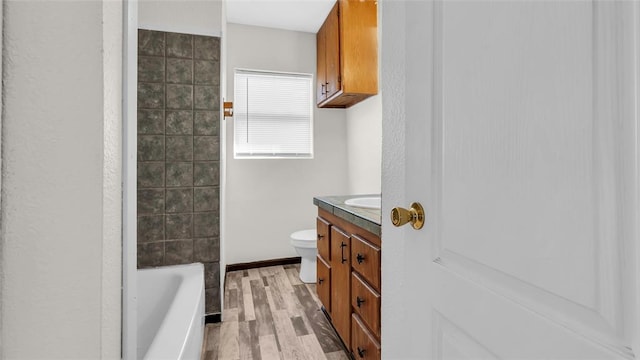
pixel 368 219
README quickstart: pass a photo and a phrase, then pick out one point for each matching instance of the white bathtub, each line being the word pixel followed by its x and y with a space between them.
pixel 171 312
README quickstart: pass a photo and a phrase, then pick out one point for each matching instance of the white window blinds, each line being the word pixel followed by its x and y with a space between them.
pixel 272 115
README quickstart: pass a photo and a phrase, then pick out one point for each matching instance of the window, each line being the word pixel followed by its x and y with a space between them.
pixel 273 115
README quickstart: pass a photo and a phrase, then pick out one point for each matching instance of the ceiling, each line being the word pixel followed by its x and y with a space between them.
pixel 296 15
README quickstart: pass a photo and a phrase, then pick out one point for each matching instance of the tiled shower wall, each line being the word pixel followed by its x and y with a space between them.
pixel 179 153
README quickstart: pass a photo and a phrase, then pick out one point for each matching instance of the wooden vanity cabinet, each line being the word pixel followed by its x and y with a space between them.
pixel 348 283
pixel 328 57
pixel 323 227
pixel 323 283
pixel 341 286
pixel 347 54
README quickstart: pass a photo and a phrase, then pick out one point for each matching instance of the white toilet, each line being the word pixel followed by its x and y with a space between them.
pixel 305 243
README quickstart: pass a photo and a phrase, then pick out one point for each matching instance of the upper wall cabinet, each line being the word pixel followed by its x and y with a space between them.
pixel 348 54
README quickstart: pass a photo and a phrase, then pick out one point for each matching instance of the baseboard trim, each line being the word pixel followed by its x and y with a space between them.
pixel 212 318
pixel 263 263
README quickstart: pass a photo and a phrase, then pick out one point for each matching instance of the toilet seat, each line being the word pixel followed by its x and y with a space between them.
pixel 304 238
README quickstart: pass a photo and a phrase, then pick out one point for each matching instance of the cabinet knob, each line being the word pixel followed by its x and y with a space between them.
pixel 320 237
pixel 361 352
pixel 320 280
pixel 360 258
pixel 359 301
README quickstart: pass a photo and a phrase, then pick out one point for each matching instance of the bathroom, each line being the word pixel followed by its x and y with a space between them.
pixel 529 246
pixel 279 192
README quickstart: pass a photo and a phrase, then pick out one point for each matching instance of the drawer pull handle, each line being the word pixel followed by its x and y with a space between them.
pixel 360 258
pixel 359 301
pixel 320 281
pixel 342 246
pixel 361 352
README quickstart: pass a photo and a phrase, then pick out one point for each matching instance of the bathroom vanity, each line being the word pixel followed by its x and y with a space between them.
pixel 348 273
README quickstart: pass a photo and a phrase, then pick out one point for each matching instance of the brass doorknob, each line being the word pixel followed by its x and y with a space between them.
pixel 415 215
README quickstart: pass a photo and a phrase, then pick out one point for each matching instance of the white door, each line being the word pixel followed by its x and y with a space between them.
pixel 514 124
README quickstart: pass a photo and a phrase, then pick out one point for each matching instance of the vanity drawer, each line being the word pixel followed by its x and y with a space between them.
pixel 363 344
pixel 366 303
pixel 365 259
pixel 323 227
pixel 323 283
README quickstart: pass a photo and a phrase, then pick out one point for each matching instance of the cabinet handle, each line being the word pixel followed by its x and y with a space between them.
pixel 323 92
pixel 361 352
pixel 360 258
pixel 342 246
pixel 320 280
pixel 320 237
pixel 359 301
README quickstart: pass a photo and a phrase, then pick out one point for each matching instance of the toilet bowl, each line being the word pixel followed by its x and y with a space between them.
pixel 305 243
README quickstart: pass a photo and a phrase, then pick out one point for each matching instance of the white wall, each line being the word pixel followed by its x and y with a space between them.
pixel 198 17
pixel 267 200
pixel 129 176
pixel 364 146
pixel 61 191
pixel 1 238
pixel 111 320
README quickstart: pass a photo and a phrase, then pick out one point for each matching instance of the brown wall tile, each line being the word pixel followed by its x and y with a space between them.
pixel 150 147
pixel 178 173
pixel 179 226
pixel 150 228
pixel 206 250
pixel 179 45
pixel 180 71
pixel 207 47
pixel 150 96
pixel 150 121
pixel 151 42
pixel 150 201
pixel 179 96
pixel 206 173
pixel 178 252
pixel 179 200
pixel 206 148
pixel 206 199
pixel 150 254
pixel 206 97
pixel 150 174
pixel 150 69
pixel 206 123
pixel 179 122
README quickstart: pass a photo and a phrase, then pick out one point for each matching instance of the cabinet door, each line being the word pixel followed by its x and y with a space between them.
pixel 321 64
pixel 322 226
pixel 323 283
pixel 332 51
pixel 364 345
pixel 341 283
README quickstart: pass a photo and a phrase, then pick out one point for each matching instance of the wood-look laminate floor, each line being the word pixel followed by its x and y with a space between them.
pixel 270 314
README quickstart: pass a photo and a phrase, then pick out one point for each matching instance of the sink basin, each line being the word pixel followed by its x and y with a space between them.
pixel 365 202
